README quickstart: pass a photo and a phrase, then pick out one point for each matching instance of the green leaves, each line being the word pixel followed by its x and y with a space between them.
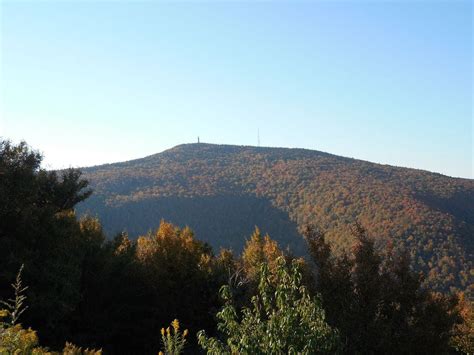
pixel 282 319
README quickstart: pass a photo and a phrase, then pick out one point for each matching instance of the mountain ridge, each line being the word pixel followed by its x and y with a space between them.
pixel 196 145
pixel 429 214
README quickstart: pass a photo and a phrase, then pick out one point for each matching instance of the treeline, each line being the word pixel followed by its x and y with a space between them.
pixel 118 294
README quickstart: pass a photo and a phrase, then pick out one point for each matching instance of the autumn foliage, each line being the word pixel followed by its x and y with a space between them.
pixel 116 293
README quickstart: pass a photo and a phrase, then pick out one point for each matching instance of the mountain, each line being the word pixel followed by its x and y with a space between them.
pixel 223 191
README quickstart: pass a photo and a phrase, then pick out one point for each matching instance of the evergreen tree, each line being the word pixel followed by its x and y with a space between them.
pixel 376 300
pixel 38 228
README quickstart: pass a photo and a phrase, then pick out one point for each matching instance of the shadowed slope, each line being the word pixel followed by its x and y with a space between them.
pixel 222 190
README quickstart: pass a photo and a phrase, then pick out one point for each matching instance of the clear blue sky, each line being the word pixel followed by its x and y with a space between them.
pixel 94 82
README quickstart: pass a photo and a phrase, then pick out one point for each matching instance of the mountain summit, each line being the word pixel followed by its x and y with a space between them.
pixel 223 191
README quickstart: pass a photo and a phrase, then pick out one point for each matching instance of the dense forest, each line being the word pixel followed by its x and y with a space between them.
pixel 223 191
pixel 75 290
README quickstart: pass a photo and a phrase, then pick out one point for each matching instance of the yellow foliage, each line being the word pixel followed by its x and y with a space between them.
pixel 16 340
pixel 225 256
pixel 124 245
pixel 71 349
pixel 175 325
pixel 173 341
pixel 171 245
pixel 259 250
pixel 91 225
pixel 463 338
pixel 206 262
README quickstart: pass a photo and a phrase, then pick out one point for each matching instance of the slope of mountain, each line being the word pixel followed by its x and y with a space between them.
pixel 223 191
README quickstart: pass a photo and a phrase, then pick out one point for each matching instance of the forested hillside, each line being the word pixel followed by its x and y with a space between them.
pixel 74 290
pixel 223 191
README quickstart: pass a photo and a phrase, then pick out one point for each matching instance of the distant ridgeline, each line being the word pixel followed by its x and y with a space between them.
pixel 222 192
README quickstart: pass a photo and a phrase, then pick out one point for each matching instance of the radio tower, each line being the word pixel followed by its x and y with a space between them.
pixel 258 137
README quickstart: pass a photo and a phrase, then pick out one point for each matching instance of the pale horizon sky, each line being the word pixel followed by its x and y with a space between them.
pixel 89 82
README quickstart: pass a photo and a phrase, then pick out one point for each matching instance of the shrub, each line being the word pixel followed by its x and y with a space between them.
pixel 283 318
pixel 173 340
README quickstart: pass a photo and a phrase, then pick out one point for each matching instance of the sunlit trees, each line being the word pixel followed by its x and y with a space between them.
pixel 283 319
pixel 166 274
pixel 202 185
pixel 176 270
pixel 463 335
pixel 259 249
pixel 117 293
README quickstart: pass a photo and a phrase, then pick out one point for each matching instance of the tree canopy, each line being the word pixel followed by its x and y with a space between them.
pixel 118 293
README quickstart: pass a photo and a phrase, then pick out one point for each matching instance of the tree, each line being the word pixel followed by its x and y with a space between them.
pixel 139 285
pixel 283 319
pixel 38 228
pixel 376 301
pixel 257 251
pixel 176 272
pixel 463 338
